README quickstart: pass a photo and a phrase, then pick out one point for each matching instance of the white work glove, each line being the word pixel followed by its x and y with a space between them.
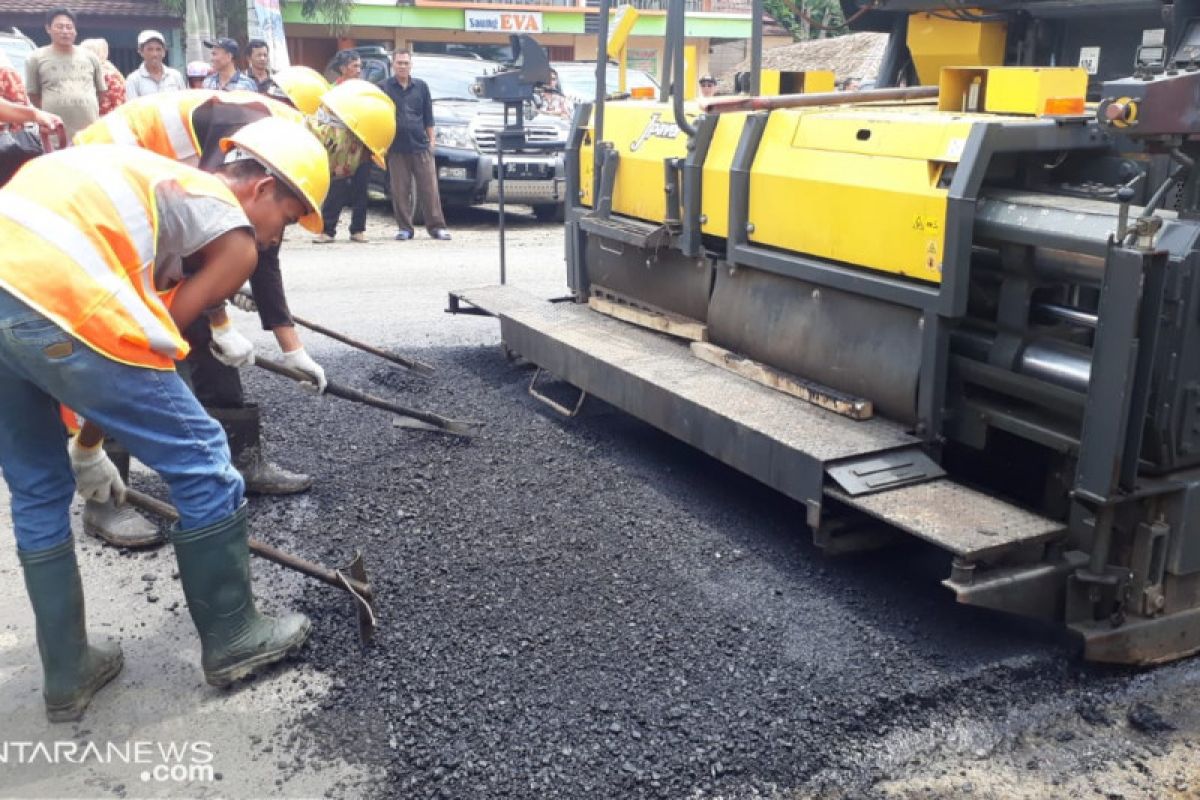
pixel 96 476
pixel 230 347
pixel 300 360
pixel 245 303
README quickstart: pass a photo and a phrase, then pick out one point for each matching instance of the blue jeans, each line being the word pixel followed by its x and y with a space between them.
pixel 149 411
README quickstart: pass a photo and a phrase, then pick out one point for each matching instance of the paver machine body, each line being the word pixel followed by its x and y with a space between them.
pixel 986 288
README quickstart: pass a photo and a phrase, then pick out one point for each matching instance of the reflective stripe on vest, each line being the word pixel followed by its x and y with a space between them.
pixel 159 122
pixel 163 123
pixel 80 230
pixel 63 235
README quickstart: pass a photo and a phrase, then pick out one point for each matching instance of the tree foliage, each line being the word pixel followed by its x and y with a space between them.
pixel 336 13
pixel 232 13
pixel 794 15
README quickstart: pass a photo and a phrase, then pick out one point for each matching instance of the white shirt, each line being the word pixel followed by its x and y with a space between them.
pixel 141 83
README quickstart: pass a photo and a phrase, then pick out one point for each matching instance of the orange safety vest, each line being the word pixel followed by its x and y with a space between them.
pixel 80 231
pixel 164 123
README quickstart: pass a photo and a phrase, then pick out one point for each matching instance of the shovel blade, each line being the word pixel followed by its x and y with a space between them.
pixel 357 570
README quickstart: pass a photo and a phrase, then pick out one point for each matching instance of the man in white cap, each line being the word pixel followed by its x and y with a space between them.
pixel 153 76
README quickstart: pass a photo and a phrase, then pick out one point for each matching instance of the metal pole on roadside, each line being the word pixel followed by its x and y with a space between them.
pixel 500 193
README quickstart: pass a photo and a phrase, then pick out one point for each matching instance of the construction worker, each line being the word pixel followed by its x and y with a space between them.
pixel 185 126
pixel 109 252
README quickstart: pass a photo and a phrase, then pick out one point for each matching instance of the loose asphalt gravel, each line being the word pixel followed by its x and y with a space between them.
pixel 586 608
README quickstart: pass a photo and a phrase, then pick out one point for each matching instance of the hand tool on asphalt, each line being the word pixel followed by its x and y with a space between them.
pixel 351 579
pixel 412 418
pixel 411 364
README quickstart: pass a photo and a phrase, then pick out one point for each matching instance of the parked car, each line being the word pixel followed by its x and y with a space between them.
pixel 465 148
pixel 17 46
pixel 578 79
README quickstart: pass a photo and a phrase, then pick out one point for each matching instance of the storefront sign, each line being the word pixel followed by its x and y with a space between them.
pixel 644 59
pixel 504 21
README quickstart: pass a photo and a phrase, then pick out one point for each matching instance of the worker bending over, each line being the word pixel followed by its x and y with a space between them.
pixel 187 127
pixel 109 253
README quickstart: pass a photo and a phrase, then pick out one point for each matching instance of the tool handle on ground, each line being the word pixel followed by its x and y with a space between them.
pixel 418 367
pixel 331 577
pixel 167 511
pixel 347 393
pixel 720 105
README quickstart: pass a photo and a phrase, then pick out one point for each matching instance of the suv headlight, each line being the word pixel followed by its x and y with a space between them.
pixel 454 136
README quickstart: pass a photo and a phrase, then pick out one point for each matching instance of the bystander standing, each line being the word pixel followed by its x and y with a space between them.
pixel 153 76
pixel 410 158
pixel 260 66
pixel 225 74
pixel 62 78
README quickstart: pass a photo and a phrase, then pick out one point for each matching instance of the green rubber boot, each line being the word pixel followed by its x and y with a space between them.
pixel 235 640
pixel 73 670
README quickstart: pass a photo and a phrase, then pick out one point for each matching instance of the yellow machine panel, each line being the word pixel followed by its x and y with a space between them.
pixel 856 186
pixel 714 206
pixel 644 134
pixel 773 81
pixel 936 42
pixel 1034 91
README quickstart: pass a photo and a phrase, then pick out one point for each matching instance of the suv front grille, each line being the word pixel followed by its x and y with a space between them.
pixel 485 134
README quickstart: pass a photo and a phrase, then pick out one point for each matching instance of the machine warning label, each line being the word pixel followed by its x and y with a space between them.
pixel 656 129
pixel 1089 59
pixel 926 224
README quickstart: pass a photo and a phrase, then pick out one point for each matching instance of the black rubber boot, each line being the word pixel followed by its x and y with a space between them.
pixel 73 670
pixel 235 640
pixel 119 526
pixel 243 427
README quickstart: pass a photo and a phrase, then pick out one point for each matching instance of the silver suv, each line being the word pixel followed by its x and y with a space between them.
pixel 465 150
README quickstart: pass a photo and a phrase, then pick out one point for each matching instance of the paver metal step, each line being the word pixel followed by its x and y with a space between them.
pixel 779 440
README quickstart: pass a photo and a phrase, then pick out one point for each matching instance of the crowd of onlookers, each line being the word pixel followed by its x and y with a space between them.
pixel 71 85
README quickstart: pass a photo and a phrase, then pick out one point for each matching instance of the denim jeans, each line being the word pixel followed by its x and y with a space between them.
pixel 149 411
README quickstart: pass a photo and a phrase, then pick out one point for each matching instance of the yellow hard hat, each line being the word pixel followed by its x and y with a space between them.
pixel 291 154
pixel 367 111
pixel 302 86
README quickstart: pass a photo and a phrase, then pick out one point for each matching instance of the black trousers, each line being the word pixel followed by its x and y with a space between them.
pixel 214 384
pixel 351 192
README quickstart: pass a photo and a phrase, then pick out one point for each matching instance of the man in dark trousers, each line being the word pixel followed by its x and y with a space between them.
pixel 410 158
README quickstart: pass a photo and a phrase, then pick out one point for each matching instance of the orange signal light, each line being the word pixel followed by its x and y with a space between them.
pixel 642 93
pixel 1063 106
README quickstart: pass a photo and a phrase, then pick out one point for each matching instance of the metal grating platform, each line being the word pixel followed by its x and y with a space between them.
pixel 777 439
pixel 956 518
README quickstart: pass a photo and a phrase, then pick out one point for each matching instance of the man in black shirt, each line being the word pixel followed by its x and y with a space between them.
pixel 410 158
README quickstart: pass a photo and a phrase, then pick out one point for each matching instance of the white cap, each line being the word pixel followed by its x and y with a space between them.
pixel 150 35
